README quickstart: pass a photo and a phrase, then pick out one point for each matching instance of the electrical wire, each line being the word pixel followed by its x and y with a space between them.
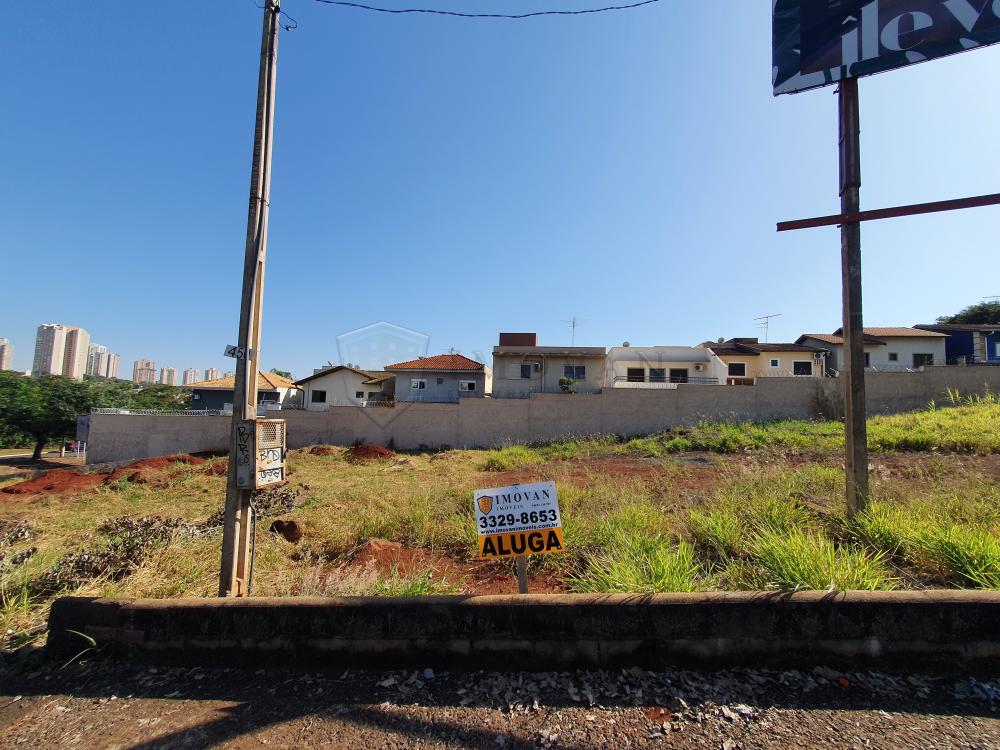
pixel 517 16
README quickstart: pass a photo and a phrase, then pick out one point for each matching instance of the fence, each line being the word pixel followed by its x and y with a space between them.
pixel 485 422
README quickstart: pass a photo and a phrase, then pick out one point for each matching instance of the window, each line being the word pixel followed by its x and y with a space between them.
pixel 658 375
pixel 894 356
pixel 267 397
pixel 775 363
pixel 868 359
pixel 632 374
pixel 440 381
pixel 318 397
pixel 737 369
pixel 921 360
pixel 802 368
pixel 466 385
pixel 678 375
pixel 418 384
pixel 373 394
pixel 576 372
pixel 359 394
pixel 526 372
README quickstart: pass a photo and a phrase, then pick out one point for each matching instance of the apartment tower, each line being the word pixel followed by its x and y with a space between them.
pixel 168 376
pixel 144 371
pixel 61 350
pixel 6 355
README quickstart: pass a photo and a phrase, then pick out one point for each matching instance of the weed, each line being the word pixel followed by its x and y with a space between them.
pixel 510 458
pixel 800 559
pixel 969 556
pixel 642 565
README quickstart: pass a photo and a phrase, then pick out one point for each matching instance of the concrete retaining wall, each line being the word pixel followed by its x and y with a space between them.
pixel 475 423
pixel 938 631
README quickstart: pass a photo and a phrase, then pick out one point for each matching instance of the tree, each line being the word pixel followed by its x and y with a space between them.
pixel 982 313
pixel 282 373
pixel 45 407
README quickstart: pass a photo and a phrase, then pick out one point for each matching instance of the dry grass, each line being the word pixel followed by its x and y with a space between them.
pixel 763 518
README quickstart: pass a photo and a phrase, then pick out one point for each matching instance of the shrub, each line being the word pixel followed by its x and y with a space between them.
pixel 510 458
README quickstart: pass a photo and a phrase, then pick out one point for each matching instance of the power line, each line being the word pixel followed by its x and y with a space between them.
pixel 431 11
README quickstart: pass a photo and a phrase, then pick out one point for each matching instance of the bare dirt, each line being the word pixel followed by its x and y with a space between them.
pixel 67 481
pixel 469 576
pixel 103 705
pixel 366 452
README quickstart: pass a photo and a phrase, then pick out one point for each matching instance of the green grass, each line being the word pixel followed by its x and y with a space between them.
pixel 805 560
pixel 643 565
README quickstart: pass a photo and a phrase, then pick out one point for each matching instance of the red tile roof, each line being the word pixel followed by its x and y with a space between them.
pixel 438 362
pixel 266 381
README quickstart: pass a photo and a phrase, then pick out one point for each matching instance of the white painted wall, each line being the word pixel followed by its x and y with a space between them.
pixel 878 356
pixel 341 387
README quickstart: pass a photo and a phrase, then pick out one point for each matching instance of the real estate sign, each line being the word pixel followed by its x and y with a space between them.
pixel 522 519
pixel 819 42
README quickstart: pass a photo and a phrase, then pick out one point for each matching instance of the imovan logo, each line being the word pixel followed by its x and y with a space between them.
pixel 485 504
pixel 371 348
pixel 817 42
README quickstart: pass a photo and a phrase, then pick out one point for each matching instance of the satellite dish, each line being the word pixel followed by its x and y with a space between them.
pixel 625 343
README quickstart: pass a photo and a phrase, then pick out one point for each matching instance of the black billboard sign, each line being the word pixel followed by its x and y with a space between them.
pixel 819 42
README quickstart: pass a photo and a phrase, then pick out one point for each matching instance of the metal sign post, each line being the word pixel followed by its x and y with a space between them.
pixel 234 571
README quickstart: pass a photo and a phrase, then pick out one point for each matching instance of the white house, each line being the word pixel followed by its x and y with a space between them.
pixel 345 386
pixel 886 349
pixel 629 366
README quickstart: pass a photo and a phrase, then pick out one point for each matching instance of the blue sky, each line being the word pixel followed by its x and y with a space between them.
pixel 463 177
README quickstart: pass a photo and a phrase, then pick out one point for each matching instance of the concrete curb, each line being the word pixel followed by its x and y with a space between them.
pixel 936 631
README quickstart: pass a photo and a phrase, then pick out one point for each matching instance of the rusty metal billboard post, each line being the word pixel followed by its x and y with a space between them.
pixel 824 42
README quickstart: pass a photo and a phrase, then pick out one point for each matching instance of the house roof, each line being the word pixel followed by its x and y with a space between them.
pixel 945 327
pixel 267 381
pixel 378 377
pixel 330 370
pixel 753 348
pixel 873 335
pixel 438 362
pixel 550 351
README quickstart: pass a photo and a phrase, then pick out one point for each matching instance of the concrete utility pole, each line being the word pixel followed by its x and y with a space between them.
pixel 233 574
pixel 855 428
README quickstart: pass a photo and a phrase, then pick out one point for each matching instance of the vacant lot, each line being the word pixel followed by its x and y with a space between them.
pixel 718 506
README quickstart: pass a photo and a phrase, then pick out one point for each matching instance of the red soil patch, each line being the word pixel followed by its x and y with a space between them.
pixel 63 481
pixel 471 576
pixel 321 450
pixel 365 452
pixel 219 469
pixel 56 482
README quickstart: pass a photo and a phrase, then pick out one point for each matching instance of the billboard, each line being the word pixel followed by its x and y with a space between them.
pixel 818 42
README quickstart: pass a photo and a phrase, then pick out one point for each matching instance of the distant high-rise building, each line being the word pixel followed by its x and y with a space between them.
pixel 212 374
pixel 190 376
pixel 168 376
pixel 101 363
pixel 61 350
pixel 6 355
pixel 144 371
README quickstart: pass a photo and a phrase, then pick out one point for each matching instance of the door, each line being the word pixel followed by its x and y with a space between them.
pixel 678 375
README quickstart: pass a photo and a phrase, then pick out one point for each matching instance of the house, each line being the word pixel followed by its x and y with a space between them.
pixel 521 367
pixel 443 378
pixel 886 349
pixel 344 385
pixel 968 343
pixel 273 392
pixel 747 358
pixel 629 366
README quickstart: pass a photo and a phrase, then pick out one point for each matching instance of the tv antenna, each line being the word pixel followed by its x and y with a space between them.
pixel 573 324
pixel 992 298
pixel 766 323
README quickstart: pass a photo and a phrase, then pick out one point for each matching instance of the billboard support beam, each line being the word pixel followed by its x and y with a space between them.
pixel 912 209
pixel 855 412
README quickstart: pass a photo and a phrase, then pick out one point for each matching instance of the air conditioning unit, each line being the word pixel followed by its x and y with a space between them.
pixel 699 368
pixel 817 355
pixel 536 366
